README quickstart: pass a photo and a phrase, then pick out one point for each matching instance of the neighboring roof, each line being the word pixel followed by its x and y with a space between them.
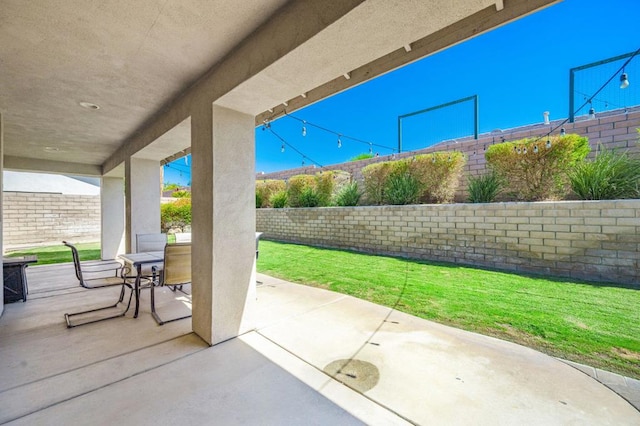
pixel 41 182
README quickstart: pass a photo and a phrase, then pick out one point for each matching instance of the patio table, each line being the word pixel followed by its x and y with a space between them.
pixel 136 260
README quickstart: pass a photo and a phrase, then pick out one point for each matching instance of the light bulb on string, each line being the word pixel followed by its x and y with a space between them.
pixel 433 158
pixel 370 149
pixel 524 150
pixel 624 80
pixel 282 147
pixel 303 162
pixel 592 112
pixel 563 132
pixel 518 150
pixel 304 128
pixel 535 149
pixel 548 144
pixel 339 142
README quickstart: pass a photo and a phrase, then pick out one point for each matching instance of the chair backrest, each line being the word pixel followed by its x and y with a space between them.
pixel 183 237
pixel 177 264
pixel 150 242
pixel 76 260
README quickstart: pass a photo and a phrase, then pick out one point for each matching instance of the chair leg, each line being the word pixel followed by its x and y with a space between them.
pixel 155 315
pixel 69 317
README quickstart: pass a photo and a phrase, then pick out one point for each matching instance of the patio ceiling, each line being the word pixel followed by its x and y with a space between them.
pixel 145 63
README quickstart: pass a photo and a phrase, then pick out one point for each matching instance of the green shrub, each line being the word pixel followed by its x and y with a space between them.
pixel 170 186
pixel 324 185
pixel 610 176
pixel 176 214
pixel 363 156
pixel 375 175
pixel 349 195
pixel 401 188
pixel 265 189
pixel 181 194
pixel 279 200
pixel 534 172
pixel 296 185
pixel 324 188
pixel 439 175
pixel 485 188
pixel 309 197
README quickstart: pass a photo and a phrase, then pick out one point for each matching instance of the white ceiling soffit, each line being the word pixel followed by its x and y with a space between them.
pixel 374 38
pixel 129 58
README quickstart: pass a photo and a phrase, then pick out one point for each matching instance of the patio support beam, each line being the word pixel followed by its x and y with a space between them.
pixel 142 180
pixel 1 206
pixel 223 223
pixel 112 223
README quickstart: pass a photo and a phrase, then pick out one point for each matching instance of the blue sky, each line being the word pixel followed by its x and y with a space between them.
pixel 517 71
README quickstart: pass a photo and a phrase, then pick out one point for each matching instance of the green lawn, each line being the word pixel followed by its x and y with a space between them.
pixel 61 253
pixel 594 324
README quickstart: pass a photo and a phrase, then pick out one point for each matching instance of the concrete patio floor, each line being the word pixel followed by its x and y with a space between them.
pixel 399 369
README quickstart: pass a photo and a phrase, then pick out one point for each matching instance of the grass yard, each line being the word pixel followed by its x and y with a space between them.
pixel 594 324
pixel 61 253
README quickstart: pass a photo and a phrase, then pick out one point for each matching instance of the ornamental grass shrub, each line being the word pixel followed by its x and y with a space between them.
pixel 265 189
pixel 324 186
pixel 375 176
pixel 402 188
pixel 176 214
pixel 349 195
pixel 609 176
pixel 537 169
pixel 437 176
pixel 279 200
pixel 484 188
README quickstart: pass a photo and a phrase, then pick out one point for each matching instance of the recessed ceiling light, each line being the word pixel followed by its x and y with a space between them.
pixel 51 149
pixel 89 105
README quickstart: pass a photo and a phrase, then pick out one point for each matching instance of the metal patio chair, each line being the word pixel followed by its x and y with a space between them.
pixel 175 273
pixel 148 243
pixel 95 275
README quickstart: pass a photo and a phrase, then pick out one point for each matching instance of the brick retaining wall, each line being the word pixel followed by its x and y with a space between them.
pixel 592 240
pixel 32 219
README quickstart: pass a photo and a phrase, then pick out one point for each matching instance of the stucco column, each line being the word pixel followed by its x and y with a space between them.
pixel 223 223
pixel 1 207
pixel 112 217
pixel 142 179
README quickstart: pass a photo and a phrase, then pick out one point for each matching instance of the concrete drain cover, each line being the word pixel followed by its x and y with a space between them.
pixel 359 375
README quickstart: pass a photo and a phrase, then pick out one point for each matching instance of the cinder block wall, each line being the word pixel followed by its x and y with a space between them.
pixel 613 130
pixel 32 219
pixel 591 240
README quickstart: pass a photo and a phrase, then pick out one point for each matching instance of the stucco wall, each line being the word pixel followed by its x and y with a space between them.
pixel 32 219
pixel 593 240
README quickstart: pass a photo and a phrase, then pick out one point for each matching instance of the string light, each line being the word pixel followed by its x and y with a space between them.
pixel 339 142
pixel 548 144
pixel 535 149
pixel 307 123
pixel 563 132
pixel 592 112
pixel 624 81
pixel 370 149
pixel 285 143
pixel 304 128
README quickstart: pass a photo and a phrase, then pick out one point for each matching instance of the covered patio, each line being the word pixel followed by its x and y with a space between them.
pixel 315 357
pixel 105 90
